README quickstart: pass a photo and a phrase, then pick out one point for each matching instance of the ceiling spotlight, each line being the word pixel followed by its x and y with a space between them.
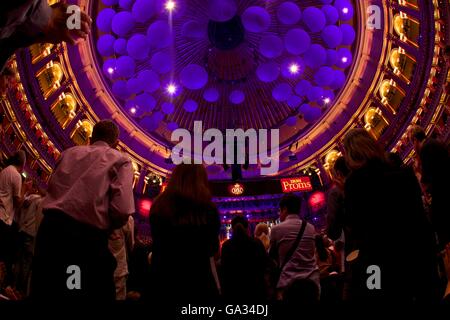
pixel 170 5
pixel 344 59
pixel 171 89
pixel 294 68
pixel 110 70
pixel 133 110
pixel 326 100
pixel 345 10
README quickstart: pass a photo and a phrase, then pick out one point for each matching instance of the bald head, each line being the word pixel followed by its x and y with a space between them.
pixel 106 131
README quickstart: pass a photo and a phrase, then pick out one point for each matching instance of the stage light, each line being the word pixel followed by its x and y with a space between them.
pixel 110 70
pixel 326 100
pixel 345 10
pixel 133 110
pixel 171 89
pixel 294 68
pixel 344 59
pixel 170 5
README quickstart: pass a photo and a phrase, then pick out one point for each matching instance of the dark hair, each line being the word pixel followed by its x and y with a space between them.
pixel 7 72
pixel 360 148
pixel 417 133
pixel 239 225
pixel 292 203
pixel 187 198
pixel 18 159
pixel 394 160
pixel 340 167
pixel 190 181
pixel 106 131
pixel 322 251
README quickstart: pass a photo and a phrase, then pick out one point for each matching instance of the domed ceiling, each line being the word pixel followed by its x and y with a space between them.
pixel 227 63
pixel 311 68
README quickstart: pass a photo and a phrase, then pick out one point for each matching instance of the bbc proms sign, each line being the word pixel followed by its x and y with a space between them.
pixel 298 184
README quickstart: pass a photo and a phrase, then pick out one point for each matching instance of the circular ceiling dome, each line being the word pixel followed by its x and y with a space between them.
pixel 248 64
pixel 312 69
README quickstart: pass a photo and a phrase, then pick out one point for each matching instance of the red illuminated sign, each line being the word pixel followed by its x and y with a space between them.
pixel 296 184
pixel 236 189
pixel 317 200
pixel 144 207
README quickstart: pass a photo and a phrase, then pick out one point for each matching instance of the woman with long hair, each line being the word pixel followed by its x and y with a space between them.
pixel 389 228
pixel 185 230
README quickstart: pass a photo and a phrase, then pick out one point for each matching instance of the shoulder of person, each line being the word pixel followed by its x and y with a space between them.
pixel 275 229
pixel 310 227
pixel 72 150
pixel 13 173
pixel 121 158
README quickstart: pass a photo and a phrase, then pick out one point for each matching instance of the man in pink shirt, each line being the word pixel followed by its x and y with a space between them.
pixel 89 195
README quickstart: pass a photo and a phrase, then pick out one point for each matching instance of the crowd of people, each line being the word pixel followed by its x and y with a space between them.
pixel 382 215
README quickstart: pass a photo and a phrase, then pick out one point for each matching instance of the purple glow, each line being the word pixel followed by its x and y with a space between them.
pixel 282 92
pixel 256 19
pixel 161 62
pixel 332 36
pixel 331 14
pixel 125 66
pixel 316 56
pixel 289 13
pixel 303 87
pixel 138 47
pixel 221 10
pixel 211 95
pixel 294 101
pixel 237 97
pixel 144 10
pixel 122 23
pixel 297 41
pixel 120 46
pixel 167 108
pixel 193 77
pixel 104 19
pixel 172 126
pixel 190 106
pixel 314 19
pixel 159 35
pixel 119 88
pixel 149 80
pixel 268 72
pixel 271 46
pixel 145 102
pixel 345 58
pixel 105 45
pixel 291 121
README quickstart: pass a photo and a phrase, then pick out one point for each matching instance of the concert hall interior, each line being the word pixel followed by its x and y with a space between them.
pixel 204 128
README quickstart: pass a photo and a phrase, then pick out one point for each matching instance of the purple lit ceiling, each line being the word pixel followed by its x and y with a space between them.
pixel 313 69
pixel 229 63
